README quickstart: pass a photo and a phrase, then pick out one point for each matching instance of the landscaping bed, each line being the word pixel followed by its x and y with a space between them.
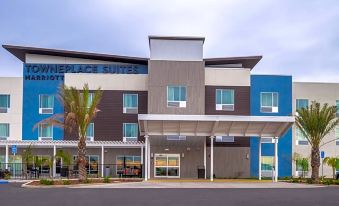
pixel 48 182
pixel 325 181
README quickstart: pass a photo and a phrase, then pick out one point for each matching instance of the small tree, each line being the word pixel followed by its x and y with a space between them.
pixel 301 162
pixel 332 162
pixel 27 158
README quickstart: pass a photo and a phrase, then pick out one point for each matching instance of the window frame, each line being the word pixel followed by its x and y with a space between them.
pixel 6 109
pixel 124 109
pixel 297 104
pixel 125 138
pixel 220 108
pixel 167 166
pixel 182 104
pixel 7 125
pixel 39 132
pixel 300 141
pixel 272 107
pixel 42 108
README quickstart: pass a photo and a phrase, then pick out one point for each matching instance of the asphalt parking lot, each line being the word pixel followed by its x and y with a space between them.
pixel 13 194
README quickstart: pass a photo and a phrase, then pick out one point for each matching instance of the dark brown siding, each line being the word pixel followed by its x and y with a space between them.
pixel 241 100
pixel 241 107
pixel 109 121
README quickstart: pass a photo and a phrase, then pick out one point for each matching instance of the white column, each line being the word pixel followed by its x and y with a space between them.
pixel 205 158
pixel 149 158
pixel 54 161
pixel 146 158
pixel 102 160
pixel 259 156
pixel 142 155
pixel 276 159
pixel 6 157
pixel 212 158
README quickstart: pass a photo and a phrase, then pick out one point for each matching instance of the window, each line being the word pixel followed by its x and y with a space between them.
pixel 90 132
pixel 267 166
pixel 269 102
pixel 176 96
pixel 176 137
pixel 45 131
pixel 130 132
pixel 300 137
pixel 224 99
pixel 302 166
pixel 46 104
pixel 128 165
pixel 337 135
pixel 266 140
pixel 167 165
pixel 301 103
pixel 90 99
pixel 92 164
pixel 224 139
pixel 337 105
pixel 4 131
pixel 130 103
pixel 4 103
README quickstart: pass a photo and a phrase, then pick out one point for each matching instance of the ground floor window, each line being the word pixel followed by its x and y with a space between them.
pixel 128 165
pixel 302 165
pixel 267 165
pixel 92 164
pixel 14 163
pixel 167 165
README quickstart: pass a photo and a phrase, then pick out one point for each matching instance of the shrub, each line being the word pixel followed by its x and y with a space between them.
pixel 107 180
pixel 7 175
pixel 66 182
pixel 309 181
pixel 87 181
pixel 46 182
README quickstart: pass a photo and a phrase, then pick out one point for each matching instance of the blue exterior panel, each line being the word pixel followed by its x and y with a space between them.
pixel 282 85
pixel 46 79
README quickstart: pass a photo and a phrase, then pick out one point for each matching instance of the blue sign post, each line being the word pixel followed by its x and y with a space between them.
pixel 322 156
pixel 14 149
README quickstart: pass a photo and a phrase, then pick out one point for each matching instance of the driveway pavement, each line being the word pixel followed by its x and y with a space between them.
pixel 14 194
pixel 201 185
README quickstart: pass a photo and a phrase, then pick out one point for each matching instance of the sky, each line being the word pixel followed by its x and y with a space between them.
pixel 295 37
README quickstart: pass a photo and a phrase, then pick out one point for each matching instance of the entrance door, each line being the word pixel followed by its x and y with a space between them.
pixel 167 165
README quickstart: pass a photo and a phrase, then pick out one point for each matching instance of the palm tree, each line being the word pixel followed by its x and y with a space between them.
pixel 332 162
pixel 80 107
pixel 315 122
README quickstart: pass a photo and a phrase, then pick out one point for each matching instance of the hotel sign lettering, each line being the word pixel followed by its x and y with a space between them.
pixel 57 71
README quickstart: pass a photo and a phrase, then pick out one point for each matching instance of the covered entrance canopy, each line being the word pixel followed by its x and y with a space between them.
pixel 213 125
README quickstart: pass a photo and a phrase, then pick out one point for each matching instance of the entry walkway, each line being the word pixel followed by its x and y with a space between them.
pixel 201 185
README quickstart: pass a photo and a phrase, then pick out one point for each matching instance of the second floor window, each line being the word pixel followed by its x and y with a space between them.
pixel 224 99
pixel 269 102
pixel 46 104
pixel 4 103
pixel 45 131
pixel 301 103
pixel 90 132
pixel 130 132
pixel 337 135
pixel 176 96
pixel 130 103
pixel 4 131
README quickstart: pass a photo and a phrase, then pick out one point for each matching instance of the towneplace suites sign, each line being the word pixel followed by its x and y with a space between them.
pixel 57 71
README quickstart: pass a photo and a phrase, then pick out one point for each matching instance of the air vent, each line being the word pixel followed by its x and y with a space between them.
pixel 46 110
pixel 46 138
pixel 3 110
pixel 302 142
pixel 177 104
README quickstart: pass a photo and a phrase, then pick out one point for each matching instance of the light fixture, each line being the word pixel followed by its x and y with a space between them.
pixel 188 149
pixel 182 155
pixel 247 156
pixel 166 149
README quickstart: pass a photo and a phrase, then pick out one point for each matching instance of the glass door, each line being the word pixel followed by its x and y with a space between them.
pixel 167 165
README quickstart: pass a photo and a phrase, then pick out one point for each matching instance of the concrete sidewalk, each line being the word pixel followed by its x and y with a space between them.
pixel 158 184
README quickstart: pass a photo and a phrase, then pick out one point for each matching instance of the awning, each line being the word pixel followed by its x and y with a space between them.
pixel 73 144
pixel 214 125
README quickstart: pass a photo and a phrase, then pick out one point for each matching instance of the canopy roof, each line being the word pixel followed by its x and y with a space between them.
pixel 214 125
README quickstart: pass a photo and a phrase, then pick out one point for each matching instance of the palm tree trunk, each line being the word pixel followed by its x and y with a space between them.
pixel 315 164
pixel 82 159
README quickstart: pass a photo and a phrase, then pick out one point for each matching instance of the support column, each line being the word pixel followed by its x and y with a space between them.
pixel 259 156
pixel 205 158
pixel 212 158
pixel 142 160
pixel 102 160
pixel 6 157
pixel 276 159
pixel 54 161
pixel 149 158
pixel 146 158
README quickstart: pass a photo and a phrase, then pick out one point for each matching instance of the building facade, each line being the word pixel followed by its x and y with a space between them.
pixel 175 114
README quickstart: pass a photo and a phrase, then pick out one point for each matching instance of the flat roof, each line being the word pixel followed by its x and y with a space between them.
pixel 246 61
pixel 21 51
pixel 194 38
